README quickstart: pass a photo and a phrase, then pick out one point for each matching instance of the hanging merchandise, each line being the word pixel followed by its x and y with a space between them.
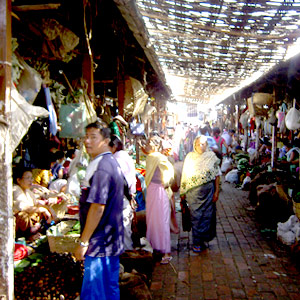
pixel 267 127
pixel 272 117
pixel 280 115
pixel 256 103
pixel 30 81
pixel 78 111
pixel 258 122
pixel 59 41
pixel 52 112
pixel 137 128
pixel 119 126
pixel 292 119
pixel 72 118
pixel 134 93
pixel 244 119
pixel 22 115
pixel 147 113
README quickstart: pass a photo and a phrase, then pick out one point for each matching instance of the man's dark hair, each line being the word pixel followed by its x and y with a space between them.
pixel 103 128
pixel 216 130
pixel 116 141
pixel 203 130
pixel 70 152
pixel 59 154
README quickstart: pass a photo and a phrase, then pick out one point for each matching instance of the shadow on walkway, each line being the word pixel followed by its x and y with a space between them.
pixel 240 263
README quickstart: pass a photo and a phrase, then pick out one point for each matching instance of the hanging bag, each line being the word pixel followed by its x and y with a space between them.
pixel 292 119
pixel 72 118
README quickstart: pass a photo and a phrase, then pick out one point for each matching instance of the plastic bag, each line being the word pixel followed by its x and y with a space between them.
pixel 292 119
pixel 289 231
pixel 246 182
pixel 232 176
pixel 22 115
pixel 226 164
pixel 73 119
pixel 244 118
pixel 30 82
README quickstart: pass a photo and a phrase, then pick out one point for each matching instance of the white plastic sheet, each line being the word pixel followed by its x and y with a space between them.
pixel 22 114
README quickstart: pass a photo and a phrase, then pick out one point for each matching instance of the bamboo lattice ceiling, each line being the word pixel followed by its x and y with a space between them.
pixel 211 46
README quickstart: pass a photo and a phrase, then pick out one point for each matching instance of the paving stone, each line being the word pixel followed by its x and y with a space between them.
pixel 240 264
pixel 210 294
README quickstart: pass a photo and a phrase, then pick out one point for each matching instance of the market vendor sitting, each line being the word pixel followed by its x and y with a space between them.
pixel 265 150
pixel 29 211
pixel 290 160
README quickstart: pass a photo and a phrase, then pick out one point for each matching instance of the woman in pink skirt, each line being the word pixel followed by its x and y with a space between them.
pixel 159 175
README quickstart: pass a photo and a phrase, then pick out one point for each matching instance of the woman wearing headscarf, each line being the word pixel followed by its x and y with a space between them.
pixel 128 169
pixel 200 187
pixel 159 174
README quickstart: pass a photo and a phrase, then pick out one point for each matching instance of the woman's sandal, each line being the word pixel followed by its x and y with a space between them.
pixel 165 260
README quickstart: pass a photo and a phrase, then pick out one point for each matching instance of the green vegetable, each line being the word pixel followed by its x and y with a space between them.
pixel 23 263
pixel 36 256
pixel 77 226
pixel 73 232
pixel 243 164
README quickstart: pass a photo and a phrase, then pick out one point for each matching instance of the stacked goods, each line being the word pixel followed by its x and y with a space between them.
pixel 55 276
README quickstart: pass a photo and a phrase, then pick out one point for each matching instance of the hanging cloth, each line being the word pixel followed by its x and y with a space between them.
pixel 52 113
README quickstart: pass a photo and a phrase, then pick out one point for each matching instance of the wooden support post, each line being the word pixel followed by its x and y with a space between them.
pixel 246 139
pixel 137 151
pixel 6 220
pixel 121 96
pixel 237 120
pixel 274 146
pixel 88 73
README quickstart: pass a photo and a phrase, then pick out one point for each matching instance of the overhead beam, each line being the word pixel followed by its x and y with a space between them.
pixel 295 34
pixel 36 7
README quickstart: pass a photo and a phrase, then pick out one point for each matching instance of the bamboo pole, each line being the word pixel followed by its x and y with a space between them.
pixel 36 7
pixel 273 147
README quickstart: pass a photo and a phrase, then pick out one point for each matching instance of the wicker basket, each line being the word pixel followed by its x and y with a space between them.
pixel 60 208
pixel 58 239
pixel 296 207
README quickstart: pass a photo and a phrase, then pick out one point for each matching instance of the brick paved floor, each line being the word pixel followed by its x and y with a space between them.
pixel 239 264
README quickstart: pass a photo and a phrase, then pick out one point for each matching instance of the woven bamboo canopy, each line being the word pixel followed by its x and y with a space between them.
pixel 213 46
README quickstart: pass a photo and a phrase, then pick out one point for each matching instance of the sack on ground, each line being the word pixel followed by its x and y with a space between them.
pixel 226 164
pixel 232 176
pixel 289 232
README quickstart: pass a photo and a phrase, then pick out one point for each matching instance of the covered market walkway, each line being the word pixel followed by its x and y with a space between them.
pixel 241 263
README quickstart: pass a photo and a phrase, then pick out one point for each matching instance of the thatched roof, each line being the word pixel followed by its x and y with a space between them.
pixel 213 46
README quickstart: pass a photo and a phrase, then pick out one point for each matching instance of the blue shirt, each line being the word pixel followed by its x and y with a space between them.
pixel 106 187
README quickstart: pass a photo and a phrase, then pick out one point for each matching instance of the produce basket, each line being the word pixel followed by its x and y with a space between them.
pixel 60 208
pixel 58 238
pixel 296 207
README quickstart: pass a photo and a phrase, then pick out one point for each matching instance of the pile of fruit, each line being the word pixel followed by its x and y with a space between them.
pixel 51 277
